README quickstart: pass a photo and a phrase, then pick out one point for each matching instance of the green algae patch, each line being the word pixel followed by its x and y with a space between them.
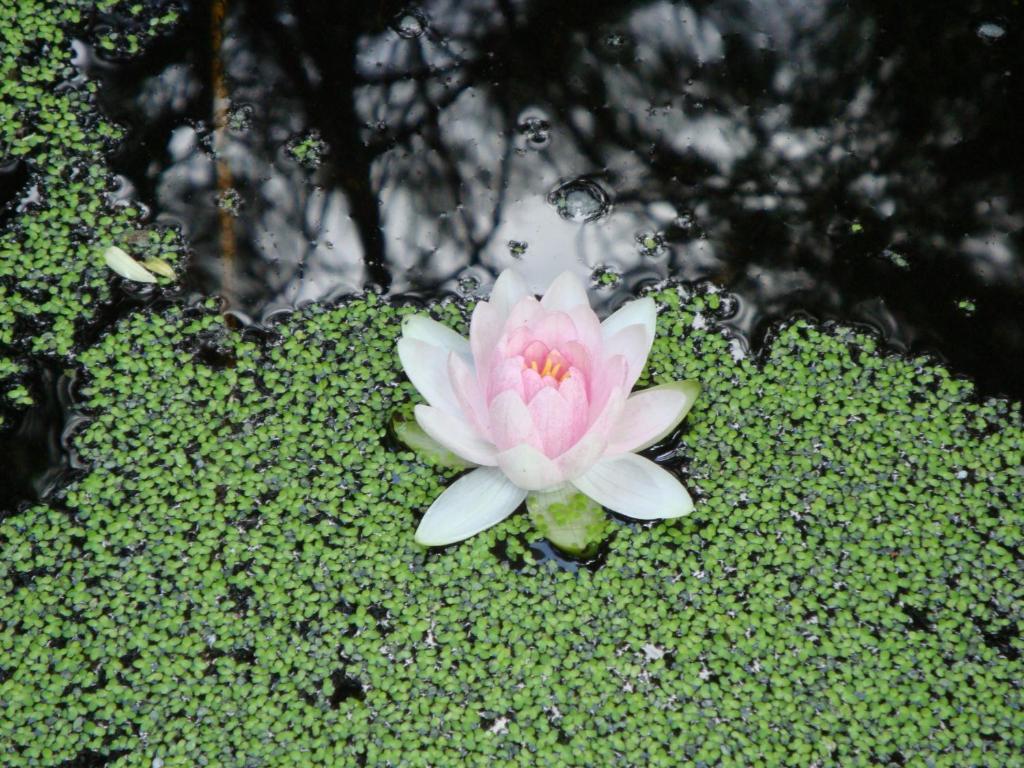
pixel 233 580
pixel 53 278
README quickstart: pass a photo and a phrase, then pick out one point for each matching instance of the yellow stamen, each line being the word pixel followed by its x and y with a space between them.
pixel 550 368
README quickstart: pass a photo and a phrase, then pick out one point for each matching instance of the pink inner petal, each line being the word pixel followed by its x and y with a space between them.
pixel 510 422
pixel 506 374
pixel 555 329
pixel 532 384
pixel 468 392
pixel 579 357
pixel 535 354
pixel 515 341
pixel 552 418
pixel 593 444
pixel 574 392
pixel 558 362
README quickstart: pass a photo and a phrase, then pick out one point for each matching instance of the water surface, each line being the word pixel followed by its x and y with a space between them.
pixel 858 161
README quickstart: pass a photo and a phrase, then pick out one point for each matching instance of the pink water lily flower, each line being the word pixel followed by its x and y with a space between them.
pixel 538 398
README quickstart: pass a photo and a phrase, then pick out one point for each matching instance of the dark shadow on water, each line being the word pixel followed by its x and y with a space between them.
pixel 13 178
pixel 33 445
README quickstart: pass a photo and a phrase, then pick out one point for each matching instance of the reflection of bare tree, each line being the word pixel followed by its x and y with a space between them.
pixel 799 152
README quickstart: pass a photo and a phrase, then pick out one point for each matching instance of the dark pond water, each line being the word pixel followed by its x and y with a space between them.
pixel 854 160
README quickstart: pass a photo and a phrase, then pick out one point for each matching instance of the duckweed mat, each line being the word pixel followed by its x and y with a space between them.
pixel 234 582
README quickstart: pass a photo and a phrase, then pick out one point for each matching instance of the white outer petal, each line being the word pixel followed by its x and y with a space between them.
pixel 471 504
pixel 530 469
pixel 427 368
pixel 634 343
pixel 635 487
pixel 650 415
pixel 639 312
pixel 565 293
pixel 456 435
pixel 508 289
pixel 428 330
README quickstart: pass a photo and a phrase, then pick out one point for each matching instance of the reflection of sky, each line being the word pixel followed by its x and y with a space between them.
pixel 480 137
pixel 748 136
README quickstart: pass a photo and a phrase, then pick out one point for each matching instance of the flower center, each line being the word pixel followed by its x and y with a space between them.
pixel 553 365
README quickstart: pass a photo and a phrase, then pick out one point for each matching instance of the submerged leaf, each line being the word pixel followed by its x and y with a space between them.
pixel 568 519
pixel 126 266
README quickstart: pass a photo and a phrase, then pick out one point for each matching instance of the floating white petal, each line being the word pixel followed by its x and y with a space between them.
pixel 126 266
pixel 635 487
pixel 471 504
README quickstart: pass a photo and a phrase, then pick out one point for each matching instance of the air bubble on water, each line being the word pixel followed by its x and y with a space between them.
pixel 533 129
pixel 307 149
pixel 686 223
pixel 580 200
pixel 410 23
pixel 896 258
pixel 517 248
pixel 468 285
pixel 230 201
pixel 617 43
pixel 605 277
pixel 990 31
pixel 651 243
pixel 967 306
pixel 240 118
